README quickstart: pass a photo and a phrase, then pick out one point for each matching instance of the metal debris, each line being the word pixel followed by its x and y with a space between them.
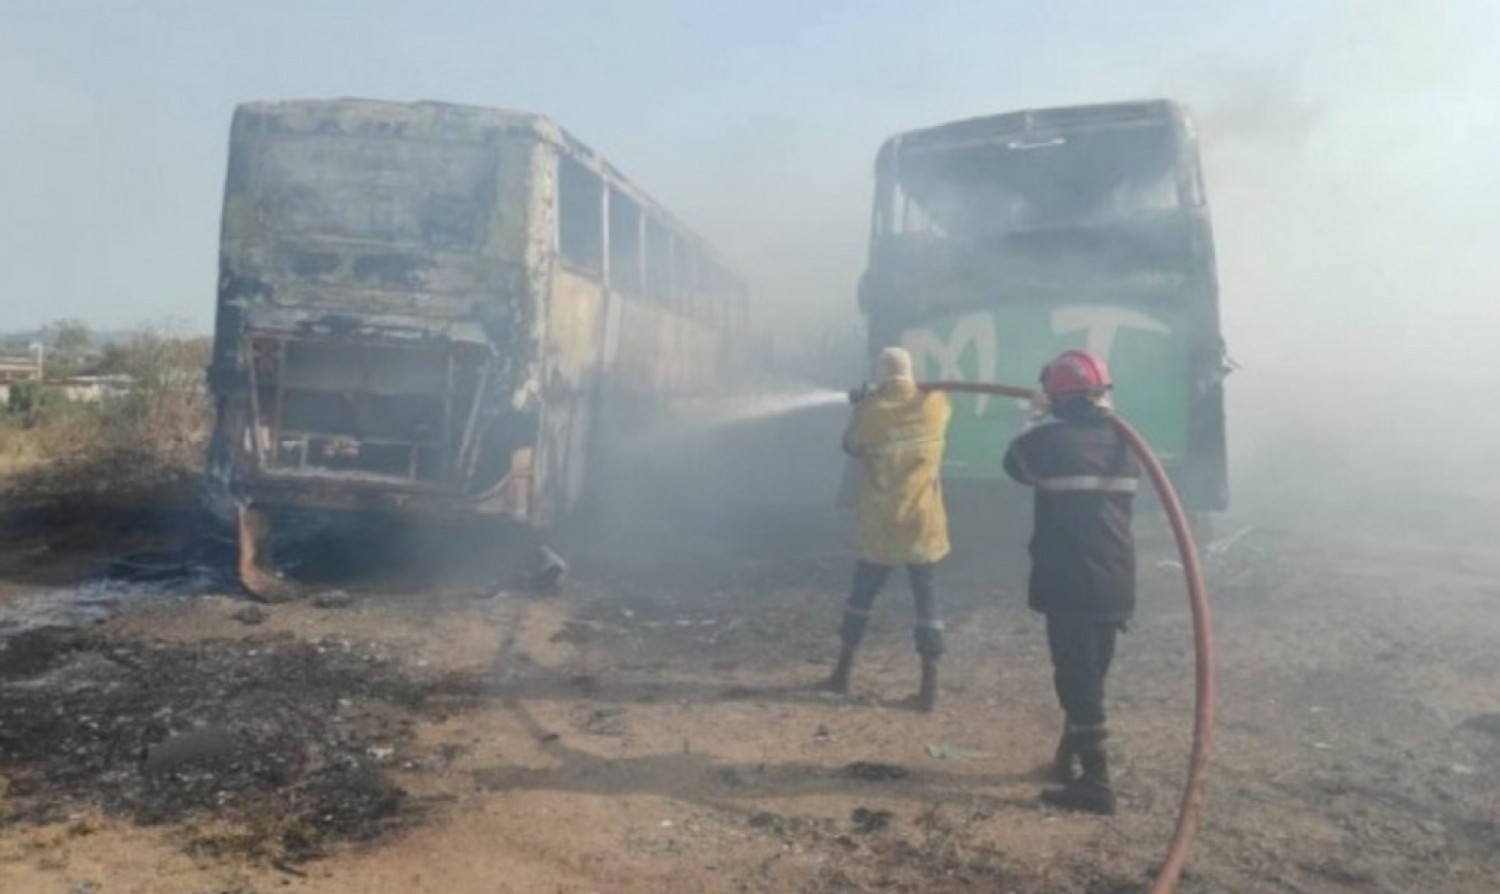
pixel 251 615
pixel 943 752
pixel 1224 545
pixel 333 599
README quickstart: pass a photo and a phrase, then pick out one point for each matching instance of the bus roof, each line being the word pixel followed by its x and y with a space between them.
pixel 1038 122
pixel 432 118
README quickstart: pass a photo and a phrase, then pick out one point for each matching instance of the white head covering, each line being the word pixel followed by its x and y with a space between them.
pixel 893 363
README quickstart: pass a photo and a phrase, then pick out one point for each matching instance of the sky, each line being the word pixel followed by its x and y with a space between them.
pixel 1350 147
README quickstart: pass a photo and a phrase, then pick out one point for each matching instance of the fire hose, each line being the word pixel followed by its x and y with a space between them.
pixel 1203 703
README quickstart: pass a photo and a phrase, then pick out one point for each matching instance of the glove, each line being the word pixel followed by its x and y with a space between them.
pixel 1040 407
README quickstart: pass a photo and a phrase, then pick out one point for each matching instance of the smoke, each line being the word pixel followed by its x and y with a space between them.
pixel 1351 178
pixel 1352 183
pixel 1349 191
pixel 793 219
pixel 1349 154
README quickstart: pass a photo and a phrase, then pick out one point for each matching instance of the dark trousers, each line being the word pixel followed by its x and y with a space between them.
pixel 869 579
pixel 1082 649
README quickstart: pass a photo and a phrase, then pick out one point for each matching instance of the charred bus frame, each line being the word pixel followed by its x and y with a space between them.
pixel 434 310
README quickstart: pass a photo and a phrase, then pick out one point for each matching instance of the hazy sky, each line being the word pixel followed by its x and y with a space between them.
pixel 1352 147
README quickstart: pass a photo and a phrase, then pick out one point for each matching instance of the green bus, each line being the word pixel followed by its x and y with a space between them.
pixel 998 242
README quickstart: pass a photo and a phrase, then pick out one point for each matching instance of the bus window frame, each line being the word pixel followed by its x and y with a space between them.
pixel 596 267
pixel 682 276
pixel 628 277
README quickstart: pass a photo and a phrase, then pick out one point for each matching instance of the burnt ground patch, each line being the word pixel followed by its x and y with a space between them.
pixel 289 741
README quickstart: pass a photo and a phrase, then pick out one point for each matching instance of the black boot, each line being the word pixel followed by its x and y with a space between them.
pixel 1089 793
pixel 1064 767
pixel 838 681
pixel 927 694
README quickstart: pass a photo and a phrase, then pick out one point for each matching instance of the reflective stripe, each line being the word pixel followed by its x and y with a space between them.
pixel 932 625
pixel 1084 729
pixel 1089 483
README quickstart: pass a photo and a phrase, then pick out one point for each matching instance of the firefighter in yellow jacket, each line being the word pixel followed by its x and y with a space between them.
pixel 897 434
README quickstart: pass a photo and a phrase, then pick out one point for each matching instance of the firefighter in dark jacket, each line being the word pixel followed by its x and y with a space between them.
pixel 1082 561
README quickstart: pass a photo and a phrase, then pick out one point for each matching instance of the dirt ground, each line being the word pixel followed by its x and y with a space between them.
pixel 657 731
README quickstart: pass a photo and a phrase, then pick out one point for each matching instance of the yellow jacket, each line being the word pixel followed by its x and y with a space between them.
pixel 898 434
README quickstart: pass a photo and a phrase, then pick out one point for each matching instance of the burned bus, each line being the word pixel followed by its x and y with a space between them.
pixel 438 311
pixel 1000 241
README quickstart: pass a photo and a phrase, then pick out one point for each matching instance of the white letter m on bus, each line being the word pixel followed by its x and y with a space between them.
pixel 938 359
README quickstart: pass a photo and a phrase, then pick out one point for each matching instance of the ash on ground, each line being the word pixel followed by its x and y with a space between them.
pixel 291 740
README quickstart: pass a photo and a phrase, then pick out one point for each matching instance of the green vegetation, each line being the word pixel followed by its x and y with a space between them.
pixel 73 337
pixel 143 438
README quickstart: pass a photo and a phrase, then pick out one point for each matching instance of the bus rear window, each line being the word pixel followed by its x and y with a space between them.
pixel 434 193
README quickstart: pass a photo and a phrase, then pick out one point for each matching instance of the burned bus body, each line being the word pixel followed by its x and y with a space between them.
pixel 998 242
pixel 436 311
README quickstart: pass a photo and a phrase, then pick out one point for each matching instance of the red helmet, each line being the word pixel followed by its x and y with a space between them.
pixel 1075 374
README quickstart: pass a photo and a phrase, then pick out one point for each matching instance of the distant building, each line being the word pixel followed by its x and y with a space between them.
pixel 92 389
pixel 16 368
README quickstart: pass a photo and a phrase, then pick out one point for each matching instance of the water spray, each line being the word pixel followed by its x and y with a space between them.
pixel 758 406
pixel 1203 703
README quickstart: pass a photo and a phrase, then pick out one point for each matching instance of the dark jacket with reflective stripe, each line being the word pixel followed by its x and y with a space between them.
pixel 1082 552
